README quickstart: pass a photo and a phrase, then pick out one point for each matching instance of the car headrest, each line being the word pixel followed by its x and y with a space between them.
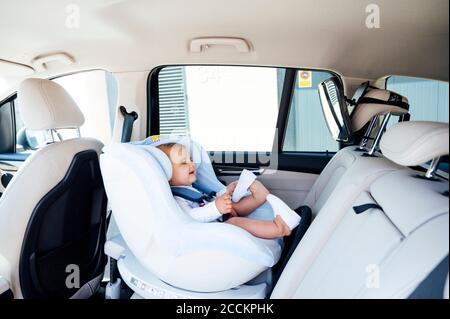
pixel 206 177
pixel 377 102
pixel 415 143
pixel 45 105
pixel 161 158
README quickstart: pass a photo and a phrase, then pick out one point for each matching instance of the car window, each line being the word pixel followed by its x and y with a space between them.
pixel 7 84
pixel 95 92
pixel 428 99
pixel 306 129
pixel 235 108
pixel 224 108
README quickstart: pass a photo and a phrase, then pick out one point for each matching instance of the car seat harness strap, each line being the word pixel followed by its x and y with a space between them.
pixel 191 195
pixel 394 100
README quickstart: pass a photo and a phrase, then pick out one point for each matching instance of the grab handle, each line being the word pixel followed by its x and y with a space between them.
pixel 200 44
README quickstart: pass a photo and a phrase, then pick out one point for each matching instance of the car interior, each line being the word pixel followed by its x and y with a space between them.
pixel 339 108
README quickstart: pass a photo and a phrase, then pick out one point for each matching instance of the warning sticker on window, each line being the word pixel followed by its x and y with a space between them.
pixel 304 79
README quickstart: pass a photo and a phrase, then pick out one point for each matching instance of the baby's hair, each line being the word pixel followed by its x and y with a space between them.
pixel 169 147
pixel 166 147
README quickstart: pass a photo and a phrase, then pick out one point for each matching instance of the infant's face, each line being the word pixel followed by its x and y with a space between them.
pixel 184 172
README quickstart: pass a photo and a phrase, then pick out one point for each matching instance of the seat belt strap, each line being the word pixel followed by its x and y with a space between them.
pixel 128 121
pixel 362 208
pixel 189 194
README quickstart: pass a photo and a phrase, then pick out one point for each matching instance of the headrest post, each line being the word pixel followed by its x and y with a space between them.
pixel 380 134
pixel 50 132
pixel 78 132
pixel 57 134
pixel 366 137
pixel 433 167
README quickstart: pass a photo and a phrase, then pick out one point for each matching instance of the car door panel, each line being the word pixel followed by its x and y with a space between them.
pixel 291 187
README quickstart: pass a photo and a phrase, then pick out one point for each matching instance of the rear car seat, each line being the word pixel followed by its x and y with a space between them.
pixel 387 238
pixel 373 104
pixel 350 161
pixel 53 212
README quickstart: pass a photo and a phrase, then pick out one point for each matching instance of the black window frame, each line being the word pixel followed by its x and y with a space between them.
pixel 12 98
pixel 291 80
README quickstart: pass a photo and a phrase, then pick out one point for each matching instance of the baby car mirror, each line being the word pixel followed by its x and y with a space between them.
pixel 334 107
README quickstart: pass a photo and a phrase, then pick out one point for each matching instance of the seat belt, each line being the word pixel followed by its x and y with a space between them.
pixel 128 121
pixel 190 194
pixel 432 287
pixel 362 208
pixel 127 129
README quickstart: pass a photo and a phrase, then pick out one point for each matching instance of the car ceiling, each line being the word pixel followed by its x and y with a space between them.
pixel 125 35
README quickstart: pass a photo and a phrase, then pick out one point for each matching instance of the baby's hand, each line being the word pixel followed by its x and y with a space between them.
pixel 233 213
pixel 231 187
pixel 223 204
pixel 258 189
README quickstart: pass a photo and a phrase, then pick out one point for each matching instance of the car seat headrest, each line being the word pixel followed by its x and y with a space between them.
pixel 377 102
pixel 45 105
pixel 415 143
pixel 206 177
pixel 161 158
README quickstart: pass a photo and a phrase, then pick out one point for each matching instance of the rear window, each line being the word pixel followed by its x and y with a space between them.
pixel 428 99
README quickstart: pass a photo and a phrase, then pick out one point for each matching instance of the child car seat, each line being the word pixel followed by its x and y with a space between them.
pixel 165 243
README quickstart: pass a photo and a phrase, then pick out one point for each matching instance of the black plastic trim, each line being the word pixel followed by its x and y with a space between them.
pixel 11 144
pixel 31 286
pixel 7 295
pixel 285 105
pixel 153 102
pixel 291 242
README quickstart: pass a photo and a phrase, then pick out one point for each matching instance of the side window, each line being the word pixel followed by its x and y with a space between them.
pixel 306 128
pixel 234 108
pixel 428 99
pixel 95 92
pixel 224 108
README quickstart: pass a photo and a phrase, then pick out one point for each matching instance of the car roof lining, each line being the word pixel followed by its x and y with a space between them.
pixel 124 35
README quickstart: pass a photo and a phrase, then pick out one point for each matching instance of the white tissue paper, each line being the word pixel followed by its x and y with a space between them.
pixel 241 190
